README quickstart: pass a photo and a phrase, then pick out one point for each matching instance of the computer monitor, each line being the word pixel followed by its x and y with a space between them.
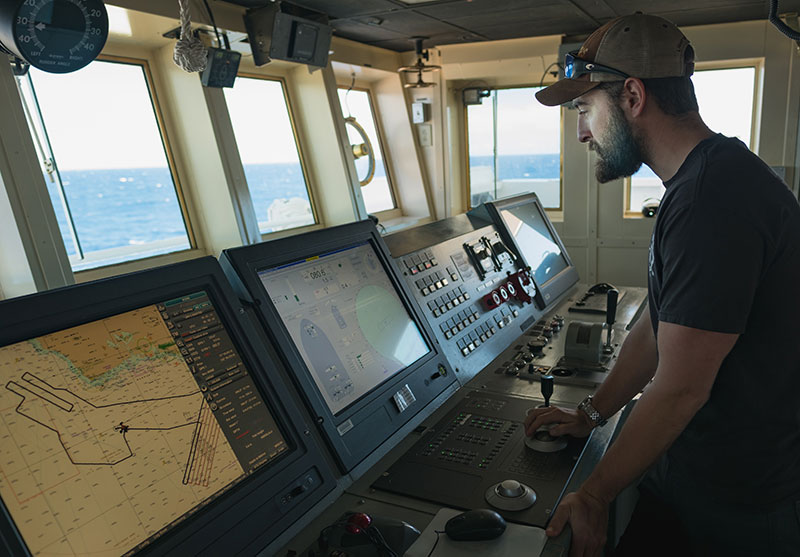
pixel 139 413
pixel 362 357
pixel 524 222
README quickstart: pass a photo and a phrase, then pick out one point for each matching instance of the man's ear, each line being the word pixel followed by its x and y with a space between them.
pixel 634 96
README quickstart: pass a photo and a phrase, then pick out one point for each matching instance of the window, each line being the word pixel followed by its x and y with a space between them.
pixel 270 154
pixel 106 163
pixel 377 193
pixel 726 98
pixel 514 146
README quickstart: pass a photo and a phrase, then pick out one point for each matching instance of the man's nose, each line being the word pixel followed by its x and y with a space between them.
pixel 584 135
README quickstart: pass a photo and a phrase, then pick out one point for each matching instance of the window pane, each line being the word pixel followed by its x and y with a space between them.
pixel 117 184
pixel 269 153
pixel 725 98
pixel 514 147
pixel 378 193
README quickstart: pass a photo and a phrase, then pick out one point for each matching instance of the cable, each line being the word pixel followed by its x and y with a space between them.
pixel 544 73
pixel 352 84
pixel 780 25
pixel 190 53
pixel 213 23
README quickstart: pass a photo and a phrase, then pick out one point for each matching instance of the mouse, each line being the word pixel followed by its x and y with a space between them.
pixel 475 525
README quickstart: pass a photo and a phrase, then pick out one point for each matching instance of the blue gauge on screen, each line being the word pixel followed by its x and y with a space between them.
pixel 56 36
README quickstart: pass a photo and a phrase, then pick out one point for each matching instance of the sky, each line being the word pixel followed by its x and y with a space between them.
pixel 101 117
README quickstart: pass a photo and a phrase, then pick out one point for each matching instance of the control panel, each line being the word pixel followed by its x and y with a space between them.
pixel 470 286
pixel 477 456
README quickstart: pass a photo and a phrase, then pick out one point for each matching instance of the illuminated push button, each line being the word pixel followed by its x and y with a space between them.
pixel 465 350
pixel 449 305
pixel 465 322
pixel 454 330
pixel 453 277
pixel 471 346
pixel 501 324
pixel 420 267
pixel 444 282
pixel 428 264
pixel 466 295
pixel 460 326
pixel 425 291
pixel 515 313
pixel 436 312
pixel 448 335
pixel 442 309
pixel 434 262
pixel 493 330
pixel 460 299
pixel 473 318
pixel 483 337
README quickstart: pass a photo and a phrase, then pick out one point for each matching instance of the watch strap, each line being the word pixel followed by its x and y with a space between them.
pixel 588 408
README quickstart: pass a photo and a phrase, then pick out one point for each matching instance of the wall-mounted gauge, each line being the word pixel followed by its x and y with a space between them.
pixel 56 36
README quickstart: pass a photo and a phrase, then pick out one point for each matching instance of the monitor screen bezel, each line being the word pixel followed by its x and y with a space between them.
pixel 39 314
pixel 247 261
pixel 559 283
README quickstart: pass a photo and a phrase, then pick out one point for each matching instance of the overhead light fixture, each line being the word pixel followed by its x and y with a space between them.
pixel 419 67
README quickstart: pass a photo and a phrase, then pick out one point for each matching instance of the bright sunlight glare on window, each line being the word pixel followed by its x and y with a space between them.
pixel 514 147
pixel 105 164
pixel 269 154
pixel 377 193
pixel 725 98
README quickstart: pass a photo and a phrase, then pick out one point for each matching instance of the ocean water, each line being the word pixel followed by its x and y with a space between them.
pixel 510 167
pixel 127 207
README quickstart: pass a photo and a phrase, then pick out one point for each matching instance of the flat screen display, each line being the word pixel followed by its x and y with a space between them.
pixel 539 249
pixel 115 430
pixel 346 320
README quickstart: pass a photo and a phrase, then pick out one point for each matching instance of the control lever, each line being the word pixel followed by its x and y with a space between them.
pixel 547 388
pixel 611 316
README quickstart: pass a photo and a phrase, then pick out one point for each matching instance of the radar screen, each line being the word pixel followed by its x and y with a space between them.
pixel 116 430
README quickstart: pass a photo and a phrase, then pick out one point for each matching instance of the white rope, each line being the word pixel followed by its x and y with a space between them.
pixel 190 53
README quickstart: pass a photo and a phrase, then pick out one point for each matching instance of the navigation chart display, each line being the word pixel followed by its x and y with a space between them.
pixel 347 321
pixel 115 430
pixel 539 248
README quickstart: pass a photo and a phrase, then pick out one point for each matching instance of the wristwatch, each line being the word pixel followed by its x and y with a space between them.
pixel 594 416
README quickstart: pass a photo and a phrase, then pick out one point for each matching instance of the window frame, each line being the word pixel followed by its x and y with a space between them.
pixel 397 211
pixel 100 271
pixel 554 213
pixel 299 145
pixel 758 65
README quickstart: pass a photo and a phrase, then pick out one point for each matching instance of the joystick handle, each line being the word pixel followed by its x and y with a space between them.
pixel 547 388
pixel 611 306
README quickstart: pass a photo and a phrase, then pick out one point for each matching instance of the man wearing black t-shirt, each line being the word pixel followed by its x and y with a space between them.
pixel 717 428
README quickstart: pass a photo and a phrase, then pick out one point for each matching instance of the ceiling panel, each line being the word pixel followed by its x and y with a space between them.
pixel 391 23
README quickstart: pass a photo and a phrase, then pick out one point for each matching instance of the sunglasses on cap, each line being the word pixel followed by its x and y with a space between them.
pixel 575 67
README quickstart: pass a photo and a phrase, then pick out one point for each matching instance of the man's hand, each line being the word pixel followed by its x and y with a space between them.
pixel 571 422
pixel 588 517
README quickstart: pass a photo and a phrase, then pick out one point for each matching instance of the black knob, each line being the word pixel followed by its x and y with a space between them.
pixel 536 346
pixel 611 305
pixel 547 388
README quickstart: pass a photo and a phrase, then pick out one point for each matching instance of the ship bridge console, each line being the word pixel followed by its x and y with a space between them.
pixel 332 393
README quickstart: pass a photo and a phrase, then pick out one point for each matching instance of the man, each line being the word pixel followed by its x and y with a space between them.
pixel 718 423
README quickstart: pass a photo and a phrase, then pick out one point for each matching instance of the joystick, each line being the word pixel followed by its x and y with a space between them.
pixel 612 295
pixel 547 388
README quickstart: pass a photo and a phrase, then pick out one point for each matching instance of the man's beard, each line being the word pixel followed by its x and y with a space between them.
pixel 621 153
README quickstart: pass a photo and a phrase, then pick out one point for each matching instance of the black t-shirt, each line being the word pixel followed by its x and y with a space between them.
pixel 725 257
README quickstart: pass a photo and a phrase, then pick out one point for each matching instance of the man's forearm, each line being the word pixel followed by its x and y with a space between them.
pixel 658 418
pixel 635 366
